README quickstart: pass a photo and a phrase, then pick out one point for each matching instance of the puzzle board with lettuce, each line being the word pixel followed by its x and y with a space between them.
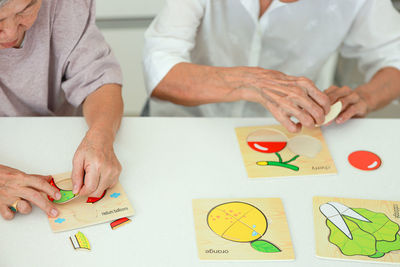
pixel 357 229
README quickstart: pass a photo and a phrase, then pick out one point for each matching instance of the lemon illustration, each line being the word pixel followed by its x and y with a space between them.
pixel 241 222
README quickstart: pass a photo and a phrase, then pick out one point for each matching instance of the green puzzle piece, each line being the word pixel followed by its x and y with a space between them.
pixel 381 227
pixel 264 246
pixel 363 243
pixel 385 246
pixel 66 196
pixel 373 239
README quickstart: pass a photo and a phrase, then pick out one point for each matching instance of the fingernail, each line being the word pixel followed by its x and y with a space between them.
pixel 54 212
pixel 58 195
pixel 75 190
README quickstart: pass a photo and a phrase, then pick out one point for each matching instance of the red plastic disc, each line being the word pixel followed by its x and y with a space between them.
pixel 365 160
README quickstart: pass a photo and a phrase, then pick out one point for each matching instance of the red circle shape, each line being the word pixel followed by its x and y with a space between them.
pixel 365 160
pixel 267 147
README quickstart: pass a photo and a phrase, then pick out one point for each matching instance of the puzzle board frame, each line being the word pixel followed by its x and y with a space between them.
pixel 77 213
pixel 327 250
pixel 277 232
pixel 323 164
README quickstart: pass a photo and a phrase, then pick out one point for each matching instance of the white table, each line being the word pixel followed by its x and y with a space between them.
pixel 168 162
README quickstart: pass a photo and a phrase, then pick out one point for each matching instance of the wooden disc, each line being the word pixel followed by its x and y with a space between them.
pixel 305 145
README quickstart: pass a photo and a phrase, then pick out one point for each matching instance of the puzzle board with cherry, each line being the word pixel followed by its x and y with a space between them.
pixel 78 211
pixel 272 151
pixel 242 229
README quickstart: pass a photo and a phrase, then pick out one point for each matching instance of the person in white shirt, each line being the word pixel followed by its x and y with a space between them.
pixel 242 58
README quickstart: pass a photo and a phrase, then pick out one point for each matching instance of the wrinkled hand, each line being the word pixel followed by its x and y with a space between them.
pixel 353 103
pixel 284 96
pixel 95 166
pixel 27 189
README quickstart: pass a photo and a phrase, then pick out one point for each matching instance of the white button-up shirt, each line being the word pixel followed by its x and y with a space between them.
pixel 294 38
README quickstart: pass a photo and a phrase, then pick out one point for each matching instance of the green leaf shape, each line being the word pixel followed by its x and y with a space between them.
pixel 264 246
pixel 377 255
pixel 386 247
pixel 362 243
pixel 380 226
pixel 66 195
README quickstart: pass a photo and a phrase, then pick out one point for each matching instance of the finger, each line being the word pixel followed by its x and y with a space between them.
pixel 78 173
pixel 104 182
pixel 319 97
pixel 37 199
pixel 114 183
pixel 352 111
pixel 351 99
pixel 118 171
pixel 301 115
pixel 284 119
pixel 103 186
pixel 108 177
pixel 339 93
pixel 92 179
pixel 6 213
pixel 24 207
pixel 41 183
pixel 330 89
pixel 314 110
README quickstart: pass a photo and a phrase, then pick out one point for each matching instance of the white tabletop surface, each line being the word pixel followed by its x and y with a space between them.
pixel 168 162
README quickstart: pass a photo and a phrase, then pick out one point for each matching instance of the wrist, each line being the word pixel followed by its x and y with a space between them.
pixel 367 98
pixel 104 135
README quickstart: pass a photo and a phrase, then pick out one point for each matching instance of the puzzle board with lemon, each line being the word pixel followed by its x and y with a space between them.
pixel 357 229
pixel 272 151
pixel 242 229
pixel 79 211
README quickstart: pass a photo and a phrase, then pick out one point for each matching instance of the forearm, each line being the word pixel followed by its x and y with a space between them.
pixel 283 95
pixel 383 88
pixel 103 110
pixel 190 85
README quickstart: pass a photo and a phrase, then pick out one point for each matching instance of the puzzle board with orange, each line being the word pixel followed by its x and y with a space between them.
pixel 357 229
pixel 79 211
pixel 242 229
pixel 272 151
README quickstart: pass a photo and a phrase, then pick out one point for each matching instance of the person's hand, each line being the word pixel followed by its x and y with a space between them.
pixel 353 103
pixel 25 189
pixel 283 95
pixel 95 166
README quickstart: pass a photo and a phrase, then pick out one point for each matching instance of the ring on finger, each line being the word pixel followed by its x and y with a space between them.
pixel 14 206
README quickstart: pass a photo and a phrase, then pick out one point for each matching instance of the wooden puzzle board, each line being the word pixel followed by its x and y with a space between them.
pixel 212 246
pixel 320 165
pixel 77 213
pixel 326 249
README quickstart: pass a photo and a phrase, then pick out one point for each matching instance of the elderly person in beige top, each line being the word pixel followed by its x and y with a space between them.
pixel 55 62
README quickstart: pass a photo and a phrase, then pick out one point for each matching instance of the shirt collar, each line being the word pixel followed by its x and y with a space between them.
pixel 253 7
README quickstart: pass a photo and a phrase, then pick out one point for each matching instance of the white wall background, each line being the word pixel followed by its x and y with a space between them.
pixel 123 23
pixel 128 8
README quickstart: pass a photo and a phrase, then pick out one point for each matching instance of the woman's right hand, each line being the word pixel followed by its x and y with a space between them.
pixel 25 189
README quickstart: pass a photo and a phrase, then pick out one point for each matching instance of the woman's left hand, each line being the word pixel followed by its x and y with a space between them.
pixel 354 105
pixel 95 166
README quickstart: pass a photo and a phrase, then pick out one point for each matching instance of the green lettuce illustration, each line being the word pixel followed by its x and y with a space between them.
pixel 373 239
